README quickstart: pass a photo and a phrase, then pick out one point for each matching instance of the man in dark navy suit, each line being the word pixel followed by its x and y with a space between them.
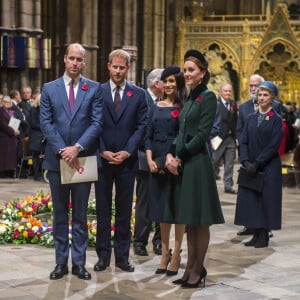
pixel 71 121
pixel 227 132
pixel 142 224
pixel 125 120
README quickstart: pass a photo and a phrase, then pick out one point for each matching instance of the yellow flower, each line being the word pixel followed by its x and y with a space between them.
pixel 29 225
pixel 3 228
pixel 20 228
pixel 25 234
pixel 20 214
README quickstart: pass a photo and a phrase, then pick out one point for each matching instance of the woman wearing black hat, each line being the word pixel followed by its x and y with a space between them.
pixel 161 131
pixel 196 197
pixel 259 152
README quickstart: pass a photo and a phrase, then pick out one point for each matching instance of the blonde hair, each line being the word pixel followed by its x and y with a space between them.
pixel 119 53
pixel 37 101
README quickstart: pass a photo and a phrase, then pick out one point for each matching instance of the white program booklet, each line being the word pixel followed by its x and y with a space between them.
pixel 216 142
pixel 14 123
pixel 87 171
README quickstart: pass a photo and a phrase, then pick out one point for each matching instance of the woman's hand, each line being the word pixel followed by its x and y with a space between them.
pixel 152 165
pixel 173 164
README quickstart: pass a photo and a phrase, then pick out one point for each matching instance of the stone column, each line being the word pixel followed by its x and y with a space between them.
pixel 89 36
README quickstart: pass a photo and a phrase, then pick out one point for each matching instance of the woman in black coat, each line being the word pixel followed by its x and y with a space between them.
pixel 36 139
pixel 259 152
pixel 8 139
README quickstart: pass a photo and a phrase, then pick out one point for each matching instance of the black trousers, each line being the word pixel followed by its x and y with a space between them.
pixel 142 223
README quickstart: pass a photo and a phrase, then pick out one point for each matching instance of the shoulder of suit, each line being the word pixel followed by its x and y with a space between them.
pixel 134 87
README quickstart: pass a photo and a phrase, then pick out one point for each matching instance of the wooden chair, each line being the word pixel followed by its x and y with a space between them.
pixel 26 155
pixel 291 164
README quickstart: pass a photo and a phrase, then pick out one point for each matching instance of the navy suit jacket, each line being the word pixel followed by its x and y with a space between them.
pixel 245 109
pixel 62 128
pixel 126 129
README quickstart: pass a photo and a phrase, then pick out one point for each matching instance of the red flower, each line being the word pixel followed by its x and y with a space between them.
pixel 129 93
pixel 270 114
pixel 84 86
pixel 175 113
pixel 198 99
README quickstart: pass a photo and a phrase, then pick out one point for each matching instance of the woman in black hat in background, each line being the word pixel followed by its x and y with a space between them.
pixel 162 128
pixel 195 194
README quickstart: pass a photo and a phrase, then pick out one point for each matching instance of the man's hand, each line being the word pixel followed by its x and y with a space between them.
pixel 115 158
pixel 69 155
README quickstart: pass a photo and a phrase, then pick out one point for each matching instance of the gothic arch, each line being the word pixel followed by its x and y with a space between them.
pixel 223 64
pixel 279 61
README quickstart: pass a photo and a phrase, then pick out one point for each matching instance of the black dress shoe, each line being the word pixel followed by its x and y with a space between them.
pixel 246 231
pixel 59 272
pixel 157 249
pixel 81 272
pixel 101 264
pixel 125 266
pixel 140 250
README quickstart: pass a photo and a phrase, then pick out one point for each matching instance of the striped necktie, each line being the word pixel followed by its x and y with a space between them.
pixel 117 99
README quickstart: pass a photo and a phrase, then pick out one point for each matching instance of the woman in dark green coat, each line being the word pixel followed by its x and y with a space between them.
pixel 195 201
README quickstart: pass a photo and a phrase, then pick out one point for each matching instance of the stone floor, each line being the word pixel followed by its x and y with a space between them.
pixel 234 271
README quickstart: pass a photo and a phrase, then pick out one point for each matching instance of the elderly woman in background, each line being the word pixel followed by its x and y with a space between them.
pixel 8 139
pixel 259 152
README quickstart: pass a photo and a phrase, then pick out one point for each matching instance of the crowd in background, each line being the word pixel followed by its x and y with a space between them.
pixel 26 139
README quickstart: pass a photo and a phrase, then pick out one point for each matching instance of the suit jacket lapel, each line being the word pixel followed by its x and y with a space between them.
pixel 79 96
pixel 61 90
pixel 108 99
pixel 128 93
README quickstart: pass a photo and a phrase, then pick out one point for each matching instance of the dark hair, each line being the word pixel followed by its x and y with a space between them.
pixel 180 92
pixel 201 66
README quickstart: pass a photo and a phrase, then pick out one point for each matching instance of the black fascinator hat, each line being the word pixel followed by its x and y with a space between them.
pixel 170 70
pixel 197 54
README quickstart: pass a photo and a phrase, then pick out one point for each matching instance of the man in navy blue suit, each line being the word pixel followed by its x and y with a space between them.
pixel 125 120
pixel 71 129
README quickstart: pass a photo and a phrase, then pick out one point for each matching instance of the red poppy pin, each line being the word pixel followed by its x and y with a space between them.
pixel 84 86
pixel 198 99
pixel 269 115
pixel 175 113
pixel 129 93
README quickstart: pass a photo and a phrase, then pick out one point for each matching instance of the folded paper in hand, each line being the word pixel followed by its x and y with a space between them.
pixel 87 171
pixel 14 123
pixel 216 142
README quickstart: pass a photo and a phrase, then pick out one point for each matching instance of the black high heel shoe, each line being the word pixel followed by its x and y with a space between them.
pixel 180 281
pixel 173 273
pixel 203 275
pixel 163 271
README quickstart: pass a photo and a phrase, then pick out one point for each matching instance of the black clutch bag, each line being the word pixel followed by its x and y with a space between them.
pixel 253 182
pixel 160 162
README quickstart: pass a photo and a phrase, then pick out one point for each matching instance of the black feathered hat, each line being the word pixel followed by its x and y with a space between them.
pixel 197 54
pixel 170 70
